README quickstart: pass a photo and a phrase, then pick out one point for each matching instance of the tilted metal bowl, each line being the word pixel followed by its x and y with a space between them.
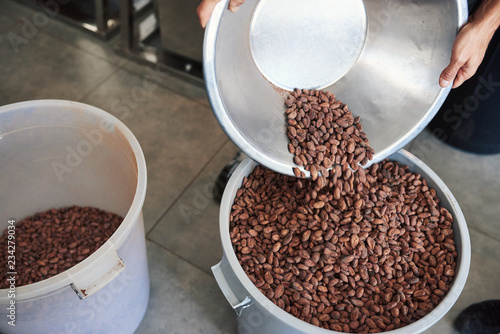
pixel 382 58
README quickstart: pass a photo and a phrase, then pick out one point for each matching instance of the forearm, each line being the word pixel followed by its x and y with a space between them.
pixel 487 17
pixel 471 43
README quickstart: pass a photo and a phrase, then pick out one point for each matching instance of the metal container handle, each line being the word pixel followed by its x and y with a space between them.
pixel 235 303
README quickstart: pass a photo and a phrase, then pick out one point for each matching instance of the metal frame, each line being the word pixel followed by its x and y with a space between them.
pixel 104 24
pixel 147 49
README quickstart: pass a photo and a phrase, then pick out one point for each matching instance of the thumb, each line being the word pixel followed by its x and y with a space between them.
pixel 205 10
pixel 235 4
pixel 448 74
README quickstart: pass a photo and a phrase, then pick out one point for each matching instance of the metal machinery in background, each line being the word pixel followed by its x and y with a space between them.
pixel 97 16
pixel 165 33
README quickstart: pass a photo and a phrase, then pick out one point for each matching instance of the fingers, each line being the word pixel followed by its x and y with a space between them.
pixel 235 4
pixel 448 74
pixel 204 11
pixel 459 79
pixel 461 68
pixel 464 74
pixel 206 8
pixel 467 54
pixel 457 73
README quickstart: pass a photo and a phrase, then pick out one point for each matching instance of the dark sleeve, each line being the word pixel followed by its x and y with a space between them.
pixel 473 5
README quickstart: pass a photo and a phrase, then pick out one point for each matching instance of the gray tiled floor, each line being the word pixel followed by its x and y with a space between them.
pixel 185 149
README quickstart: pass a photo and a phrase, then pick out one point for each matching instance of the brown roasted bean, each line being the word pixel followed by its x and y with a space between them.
pixel 55 240
pixel 352 253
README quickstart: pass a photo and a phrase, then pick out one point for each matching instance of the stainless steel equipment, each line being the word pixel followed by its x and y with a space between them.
pixel 382 58
pixel 180 29
pixel 100 17
pixel 165 33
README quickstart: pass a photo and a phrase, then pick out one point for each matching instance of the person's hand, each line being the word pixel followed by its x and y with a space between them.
pixel 206 8
pixel 466 56
pixel 471 43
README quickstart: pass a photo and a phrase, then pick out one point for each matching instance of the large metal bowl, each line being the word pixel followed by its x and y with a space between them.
pixel 380 57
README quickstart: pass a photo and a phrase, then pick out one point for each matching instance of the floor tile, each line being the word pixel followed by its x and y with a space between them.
pixel 482 283
pixel 473 179
pixel 5 22
pixel 85 41
pixel 183 298
pixel 193 90
pixel 190 228
pixel 94 45
pixel 50 21
pixel 41 67
pixel 16 10
pixel 178 136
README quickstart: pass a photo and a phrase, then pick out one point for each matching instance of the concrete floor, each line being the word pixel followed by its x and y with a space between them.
pixel 185 149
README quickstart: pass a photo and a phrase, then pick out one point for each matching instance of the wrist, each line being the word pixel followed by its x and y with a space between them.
pixel 486 19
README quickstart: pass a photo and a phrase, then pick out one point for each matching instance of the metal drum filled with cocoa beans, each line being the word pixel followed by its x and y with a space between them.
pixel 394 260
pixel 330 226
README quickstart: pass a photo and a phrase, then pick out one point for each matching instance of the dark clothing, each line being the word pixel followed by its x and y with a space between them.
pixel 470 117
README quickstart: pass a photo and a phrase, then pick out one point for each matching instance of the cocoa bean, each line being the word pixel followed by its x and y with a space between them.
pixel 353 254
pixel 52 241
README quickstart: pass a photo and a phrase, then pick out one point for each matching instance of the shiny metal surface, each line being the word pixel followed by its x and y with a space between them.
pixel 285 45
pixel 392 85
pixel 100 17
pixel 180 29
